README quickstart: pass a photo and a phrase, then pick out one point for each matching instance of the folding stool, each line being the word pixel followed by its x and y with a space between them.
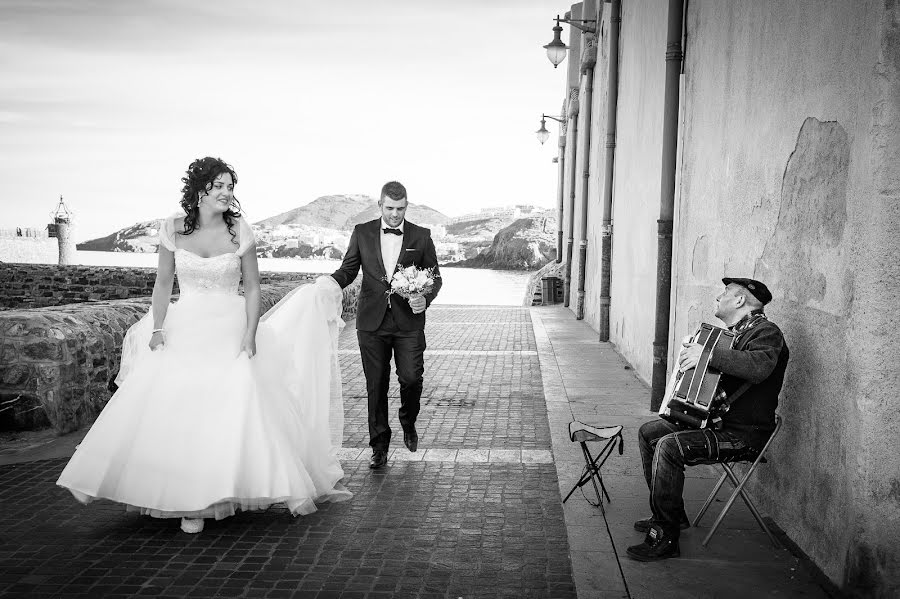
pixel 738 490
pixel 580 432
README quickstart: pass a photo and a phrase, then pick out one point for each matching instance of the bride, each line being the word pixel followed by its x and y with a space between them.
pixel 219 409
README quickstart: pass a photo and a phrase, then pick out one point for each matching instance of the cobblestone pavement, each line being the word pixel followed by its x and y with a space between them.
pixel 476 512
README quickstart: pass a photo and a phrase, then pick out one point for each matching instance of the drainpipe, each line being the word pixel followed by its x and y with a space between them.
pixel 572 132
pixel 667 201
pixel 561 191
pixel 587 68
pixel 612 90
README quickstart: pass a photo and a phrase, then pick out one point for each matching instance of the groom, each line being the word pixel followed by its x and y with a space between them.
pixel 385 325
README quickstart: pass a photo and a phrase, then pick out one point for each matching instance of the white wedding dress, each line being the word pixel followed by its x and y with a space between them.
pixel 198 430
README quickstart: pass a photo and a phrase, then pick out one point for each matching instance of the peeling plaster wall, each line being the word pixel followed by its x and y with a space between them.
pixel 791 174
pixel 636 189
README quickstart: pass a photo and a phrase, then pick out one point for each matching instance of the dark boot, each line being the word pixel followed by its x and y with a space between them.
pixel 657 546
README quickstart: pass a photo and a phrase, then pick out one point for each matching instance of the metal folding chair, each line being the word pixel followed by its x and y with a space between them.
pixel 580 432
pixel 738 490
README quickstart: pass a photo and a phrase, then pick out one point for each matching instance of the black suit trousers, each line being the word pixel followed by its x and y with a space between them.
pixel 408 349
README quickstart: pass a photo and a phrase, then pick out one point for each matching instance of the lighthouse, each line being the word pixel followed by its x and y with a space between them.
pixel 61 228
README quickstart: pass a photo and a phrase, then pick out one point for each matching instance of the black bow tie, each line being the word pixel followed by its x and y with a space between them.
pixel 392 231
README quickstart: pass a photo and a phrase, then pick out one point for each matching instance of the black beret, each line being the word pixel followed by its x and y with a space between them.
pixel 759 290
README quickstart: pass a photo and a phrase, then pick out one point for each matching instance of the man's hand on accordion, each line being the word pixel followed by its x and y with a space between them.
pixel 689 355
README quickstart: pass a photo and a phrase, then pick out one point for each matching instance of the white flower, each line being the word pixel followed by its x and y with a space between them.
pixel 421 278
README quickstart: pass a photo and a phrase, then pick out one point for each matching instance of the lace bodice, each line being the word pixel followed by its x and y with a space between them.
pixel 217 274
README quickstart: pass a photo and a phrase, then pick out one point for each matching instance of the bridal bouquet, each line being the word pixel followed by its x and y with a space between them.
pixel 411 281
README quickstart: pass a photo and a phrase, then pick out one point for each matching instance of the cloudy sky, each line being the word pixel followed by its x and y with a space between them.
pixel 107 101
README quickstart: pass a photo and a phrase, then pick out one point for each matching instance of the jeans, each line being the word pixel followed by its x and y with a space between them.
pixel 667 448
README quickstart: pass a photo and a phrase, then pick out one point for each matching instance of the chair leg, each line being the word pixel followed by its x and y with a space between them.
pixel 593 470
pixel 739 491
pixel 750 505
pixel 588 474
pixel 710 499
pixel 602 486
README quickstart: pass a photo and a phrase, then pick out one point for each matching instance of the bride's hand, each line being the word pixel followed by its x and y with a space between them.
pixel 157 340
pixel 248 345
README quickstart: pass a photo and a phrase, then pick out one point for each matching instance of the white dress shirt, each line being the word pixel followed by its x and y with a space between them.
pixel 390 247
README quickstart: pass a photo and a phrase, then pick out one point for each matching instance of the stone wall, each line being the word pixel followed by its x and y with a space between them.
pixel 40 285
pixel 56 363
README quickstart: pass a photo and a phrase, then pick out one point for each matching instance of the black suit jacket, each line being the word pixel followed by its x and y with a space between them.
pixel 365 251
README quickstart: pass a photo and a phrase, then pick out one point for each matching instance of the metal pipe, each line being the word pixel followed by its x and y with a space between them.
pixel 582 240
pixel 561 191
pixel 674 57
pixel 572 134
pixel 612 93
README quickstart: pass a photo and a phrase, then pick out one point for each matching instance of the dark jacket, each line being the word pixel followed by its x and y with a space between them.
pixel 760 356
pixel 365 251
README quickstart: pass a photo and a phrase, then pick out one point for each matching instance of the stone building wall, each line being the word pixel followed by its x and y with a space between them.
pixel 791 175
pixel 636 181
pixel 789 172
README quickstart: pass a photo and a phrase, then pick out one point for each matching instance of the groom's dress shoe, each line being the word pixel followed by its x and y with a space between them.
pixel 411 439
pixel 379 459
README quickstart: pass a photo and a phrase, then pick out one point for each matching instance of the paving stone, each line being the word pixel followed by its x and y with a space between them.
pixel 475 512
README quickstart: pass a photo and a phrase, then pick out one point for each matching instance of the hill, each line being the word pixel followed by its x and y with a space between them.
pixel 527 244
pixel 139 237
pixel 478 229
pixel 419 214
pixel 330 212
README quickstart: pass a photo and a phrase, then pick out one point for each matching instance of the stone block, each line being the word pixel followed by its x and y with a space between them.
pixel 15 375
pixel 43 350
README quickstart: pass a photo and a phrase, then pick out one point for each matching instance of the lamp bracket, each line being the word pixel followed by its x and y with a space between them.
pixel 557 119
pixel 575 23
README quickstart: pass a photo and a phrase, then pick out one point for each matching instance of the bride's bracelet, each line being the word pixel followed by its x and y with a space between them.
pixel 157 331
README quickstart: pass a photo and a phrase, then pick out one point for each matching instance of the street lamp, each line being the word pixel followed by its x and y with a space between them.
pixel 556 49
pixel 542 133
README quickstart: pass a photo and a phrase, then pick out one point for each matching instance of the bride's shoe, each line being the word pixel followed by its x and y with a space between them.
pixel 192 525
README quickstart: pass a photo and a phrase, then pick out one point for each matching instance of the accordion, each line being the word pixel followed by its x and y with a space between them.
pixel 692 397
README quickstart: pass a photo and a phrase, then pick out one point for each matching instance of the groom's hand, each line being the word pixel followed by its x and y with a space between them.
pixel 417 303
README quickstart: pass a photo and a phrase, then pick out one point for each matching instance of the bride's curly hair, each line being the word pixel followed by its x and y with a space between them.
pixel 200 177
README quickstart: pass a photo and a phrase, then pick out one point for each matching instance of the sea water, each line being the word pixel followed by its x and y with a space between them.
pixel 468 286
